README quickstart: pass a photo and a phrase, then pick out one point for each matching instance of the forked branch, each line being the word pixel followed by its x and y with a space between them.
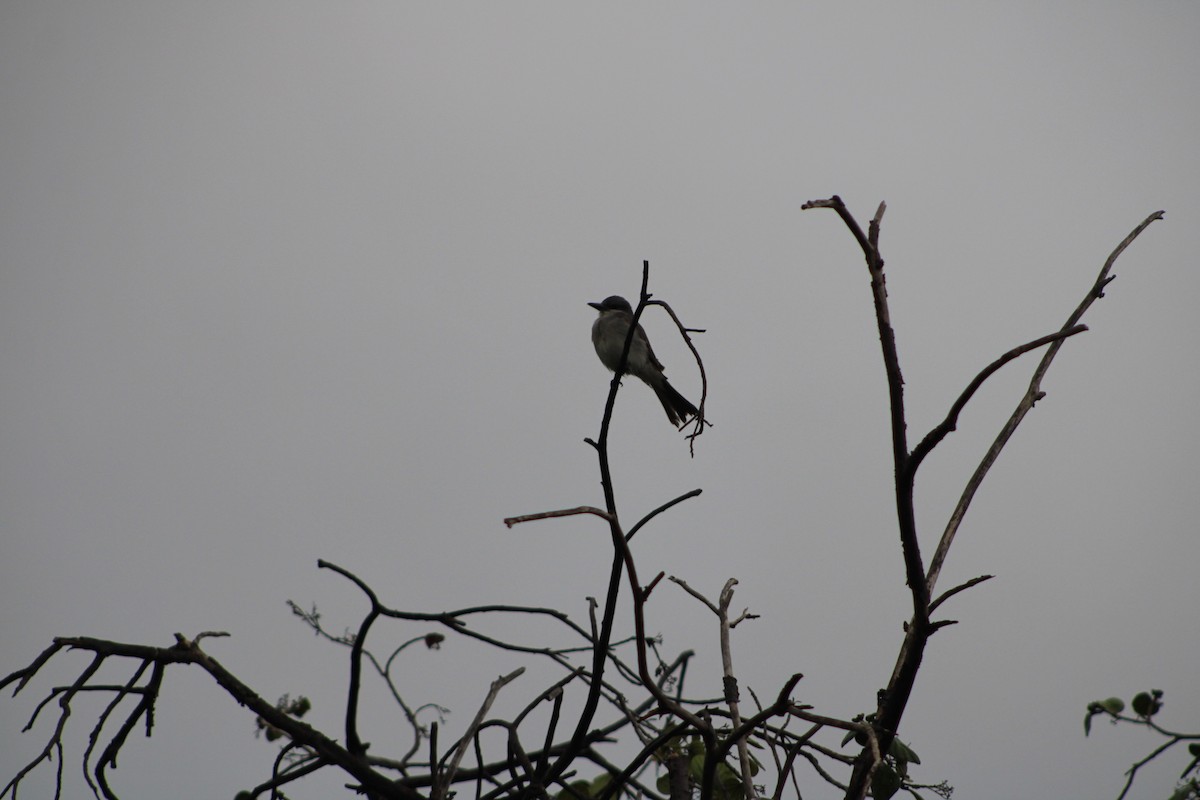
pixel 1032 394
pixel 894 699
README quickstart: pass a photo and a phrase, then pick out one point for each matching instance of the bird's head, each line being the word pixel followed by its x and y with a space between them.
pixel 613 303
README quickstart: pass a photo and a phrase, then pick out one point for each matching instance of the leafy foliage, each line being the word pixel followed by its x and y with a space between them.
pixel 1145 706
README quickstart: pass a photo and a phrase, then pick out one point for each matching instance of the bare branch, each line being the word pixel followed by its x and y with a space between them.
pixel 782 705
pixel 22 676
pixel 660 509
pixel 292 773
pixel 698 421
pixel 913 565
pixel 1031 396
pixel 1133 770
pixel 601 643
pixel 935 436
pixel 684 585
pixel 120 693
pixel 894 699
pixel 961 587
pixel 566 512
pixel 493 692
pixel 185 652
pixel 639 625
pixel 731 688
pixel 64 703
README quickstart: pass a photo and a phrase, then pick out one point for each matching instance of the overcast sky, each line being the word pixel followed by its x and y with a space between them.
pixel 283 281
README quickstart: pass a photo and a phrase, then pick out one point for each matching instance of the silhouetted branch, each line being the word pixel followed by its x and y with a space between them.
pixel 188 652
pixel 894 699
pixel 566 512
pixel 946 595
pixel 660 509
pixel 935 436
pixel 601 643
pixel 293 772
pixel 1031 396
pixel 1146 705
pixel 679 733
pixel 439 791
pixel 698 422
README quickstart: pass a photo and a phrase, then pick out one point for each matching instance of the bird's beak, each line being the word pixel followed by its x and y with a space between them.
pixel 597 306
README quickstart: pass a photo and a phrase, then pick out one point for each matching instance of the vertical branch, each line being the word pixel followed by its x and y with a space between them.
pixel 914 568
pixel 354 745
pixel 893 699
pixel 731 687
pixel 601 643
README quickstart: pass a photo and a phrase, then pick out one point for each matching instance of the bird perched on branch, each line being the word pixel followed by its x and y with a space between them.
pixel 608 336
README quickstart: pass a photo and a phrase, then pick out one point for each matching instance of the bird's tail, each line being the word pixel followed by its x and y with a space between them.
pixel 678 409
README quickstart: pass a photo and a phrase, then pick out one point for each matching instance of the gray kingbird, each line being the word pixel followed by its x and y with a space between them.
pixel 608 336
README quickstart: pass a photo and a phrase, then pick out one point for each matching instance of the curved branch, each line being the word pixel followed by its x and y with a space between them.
pixel 443 786
pixel 698 422
pixel 946 595
pixel 950 423
pixel 293 772
pixel 660 509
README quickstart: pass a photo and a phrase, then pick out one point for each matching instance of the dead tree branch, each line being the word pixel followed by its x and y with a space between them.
pixel 894 699
pixel 1031 396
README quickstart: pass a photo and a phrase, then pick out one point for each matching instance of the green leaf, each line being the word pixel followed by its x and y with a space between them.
pixel 663 784
pixel 885 782
pixel 729 782
pixel 577 789
pixel 1087 723
pixel 902 752
pixel 1182 792
pixel 726 776
pixel 1113 705
pixel 1144 705
pixel 300 706
pixel 598 783
pixel 1194 748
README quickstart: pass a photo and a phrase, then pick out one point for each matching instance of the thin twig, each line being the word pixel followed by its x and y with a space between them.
pixel 935 436
pixel 660 509
pixel 565 512
pixel 465 742
pixel 698 421
pixel 946 595
pixel 731 688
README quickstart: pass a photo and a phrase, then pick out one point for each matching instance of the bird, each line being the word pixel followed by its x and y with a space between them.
pixel 608 336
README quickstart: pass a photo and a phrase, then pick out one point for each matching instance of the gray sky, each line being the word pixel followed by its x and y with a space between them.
pixel 284 281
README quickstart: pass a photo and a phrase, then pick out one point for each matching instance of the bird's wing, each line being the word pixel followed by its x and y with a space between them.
pixel 649 350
